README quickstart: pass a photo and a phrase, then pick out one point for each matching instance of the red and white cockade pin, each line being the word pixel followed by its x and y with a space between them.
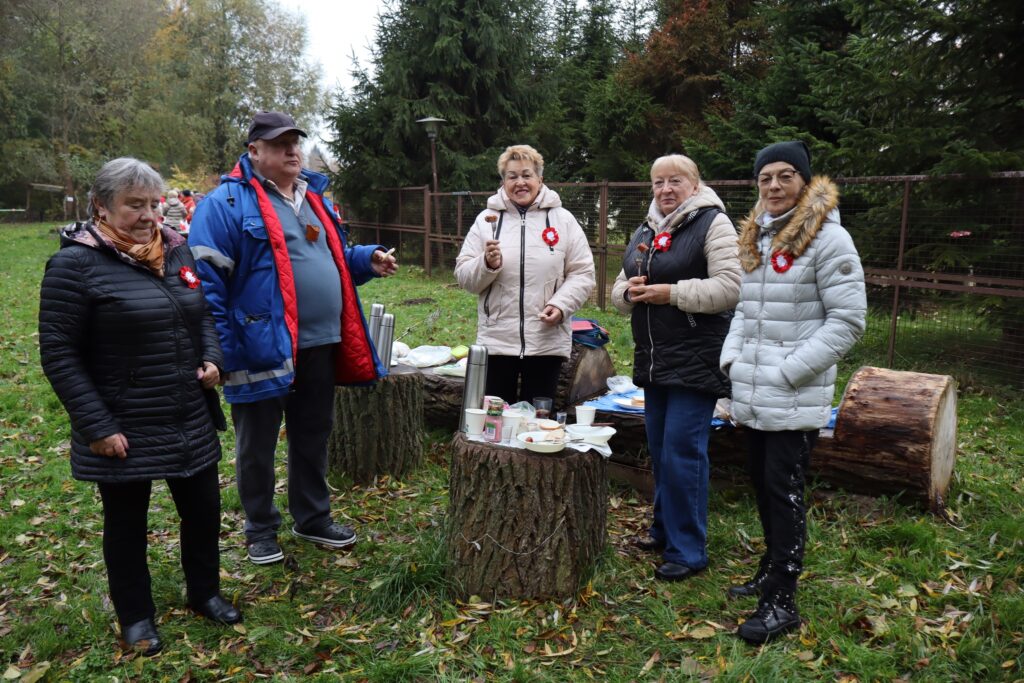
pixel 190 278
pixel 781 261
pixel 550 236
pixel 662 241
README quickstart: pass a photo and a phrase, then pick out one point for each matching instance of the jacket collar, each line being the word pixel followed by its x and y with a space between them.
pixel 793 234
pixel 243 172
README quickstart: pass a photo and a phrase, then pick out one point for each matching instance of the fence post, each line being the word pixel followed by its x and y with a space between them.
pixel 891 351
pixel 426 229
pixel 602 243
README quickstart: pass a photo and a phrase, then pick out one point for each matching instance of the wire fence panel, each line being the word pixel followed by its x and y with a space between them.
pixel 943 257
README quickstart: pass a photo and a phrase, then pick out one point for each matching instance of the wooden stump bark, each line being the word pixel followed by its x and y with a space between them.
pixel 378 429
pixel 895 434
pixel 442 399
pixel 583 376
pixel 523 525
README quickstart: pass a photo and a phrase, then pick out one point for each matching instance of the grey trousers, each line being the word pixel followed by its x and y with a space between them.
pixel 308 411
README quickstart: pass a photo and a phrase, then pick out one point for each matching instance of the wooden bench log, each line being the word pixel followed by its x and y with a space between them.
pixel 584 375
pixel 895 434
pixel 378 429
pixel 523 525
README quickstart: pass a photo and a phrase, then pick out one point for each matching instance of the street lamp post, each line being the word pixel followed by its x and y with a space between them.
pixel 433 127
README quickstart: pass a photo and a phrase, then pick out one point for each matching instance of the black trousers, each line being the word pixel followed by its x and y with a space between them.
pixel 538 376
pixel 778 464
pixel 125 513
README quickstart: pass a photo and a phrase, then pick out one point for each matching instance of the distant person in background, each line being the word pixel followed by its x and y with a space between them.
pixel 174 211
pixel 802 307
pixel 680 280
pixel 528 261
pixel 190 203
pixel 131 351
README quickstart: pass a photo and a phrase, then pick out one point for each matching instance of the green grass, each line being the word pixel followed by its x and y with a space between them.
pixel 890 592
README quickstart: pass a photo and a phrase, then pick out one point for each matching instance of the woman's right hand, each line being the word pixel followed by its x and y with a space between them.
pixel 492 254
pixel 113 446
pixel 635 283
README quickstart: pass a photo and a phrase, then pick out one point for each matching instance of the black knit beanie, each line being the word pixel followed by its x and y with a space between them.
pixel 794 152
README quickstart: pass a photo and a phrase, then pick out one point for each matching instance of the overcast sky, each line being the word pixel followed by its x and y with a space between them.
pixel 335 29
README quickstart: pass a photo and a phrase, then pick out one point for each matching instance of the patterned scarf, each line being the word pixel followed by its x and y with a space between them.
pixel 150 254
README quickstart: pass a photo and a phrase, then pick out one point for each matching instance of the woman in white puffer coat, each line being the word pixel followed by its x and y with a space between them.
pixel 529 262
pixel 802 307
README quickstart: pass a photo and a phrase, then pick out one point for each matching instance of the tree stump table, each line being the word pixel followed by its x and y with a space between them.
pixel 523 525
pixel 378 429
pixel 895 433
pixel 584 375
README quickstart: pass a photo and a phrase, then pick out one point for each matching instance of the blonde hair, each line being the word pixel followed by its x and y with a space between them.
pixel 521 153
pixel 677 163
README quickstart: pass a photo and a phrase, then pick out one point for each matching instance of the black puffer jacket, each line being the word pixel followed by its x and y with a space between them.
pixel 675 348
pixel 120 357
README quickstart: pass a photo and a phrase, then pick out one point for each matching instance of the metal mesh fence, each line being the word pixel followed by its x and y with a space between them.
pixel 943 257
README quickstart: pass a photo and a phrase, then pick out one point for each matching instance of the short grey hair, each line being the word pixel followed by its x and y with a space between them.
pixel 119 175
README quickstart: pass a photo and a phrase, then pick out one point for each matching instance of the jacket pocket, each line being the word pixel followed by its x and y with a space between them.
pixel 494 300
pixel 256 342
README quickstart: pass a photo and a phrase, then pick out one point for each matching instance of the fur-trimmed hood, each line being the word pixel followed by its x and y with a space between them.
pixel 819 198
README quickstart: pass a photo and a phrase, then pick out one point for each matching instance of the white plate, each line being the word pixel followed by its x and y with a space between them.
pixel 590 434
pixel 539 443
pixel 627 403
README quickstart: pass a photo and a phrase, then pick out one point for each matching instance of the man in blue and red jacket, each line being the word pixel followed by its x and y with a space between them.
pixel 281 285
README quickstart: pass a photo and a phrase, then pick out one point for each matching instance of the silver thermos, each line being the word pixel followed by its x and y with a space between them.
pixel 474 390
pixel 376 312
pixel 387 337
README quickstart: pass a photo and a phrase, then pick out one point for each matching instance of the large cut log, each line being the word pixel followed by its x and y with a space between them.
pixel 523 525
pixel 895 434
pixel 583 376
pixel 378 429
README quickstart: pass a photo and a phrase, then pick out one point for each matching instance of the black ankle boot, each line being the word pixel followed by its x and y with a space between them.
pixel 775 615
pixel 755 585
pixel 142 637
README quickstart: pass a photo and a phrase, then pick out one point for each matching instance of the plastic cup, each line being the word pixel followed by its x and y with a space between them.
pixel 542 404
pixel 585 415
pixel 475 421
pixel 510 425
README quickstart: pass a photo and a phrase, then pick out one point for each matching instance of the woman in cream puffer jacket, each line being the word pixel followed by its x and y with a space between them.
pixel 529 262
pixel 802 307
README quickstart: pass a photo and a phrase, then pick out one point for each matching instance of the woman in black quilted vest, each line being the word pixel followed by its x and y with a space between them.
pixel 680 280
pixel 132 353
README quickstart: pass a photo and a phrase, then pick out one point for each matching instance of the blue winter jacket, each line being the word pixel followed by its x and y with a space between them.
pixel 242 259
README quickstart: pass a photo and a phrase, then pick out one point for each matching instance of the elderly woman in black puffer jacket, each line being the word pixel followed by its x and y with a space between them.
pixel 131 352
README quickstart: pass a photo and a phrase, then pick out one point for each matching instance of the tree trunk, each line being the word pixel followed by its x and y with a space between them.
pixel 523 525
pixel 378 429
pixel 895 434
pixel 584 375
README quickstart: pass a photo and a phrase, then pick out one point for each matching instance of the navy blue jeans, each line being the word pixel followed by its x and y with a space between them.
pixel 678 425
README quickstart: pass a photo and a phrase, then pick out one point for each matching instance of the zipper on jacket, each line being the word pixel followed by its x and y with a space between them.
pixel 650 335
pixel 522 286
pixel 765 260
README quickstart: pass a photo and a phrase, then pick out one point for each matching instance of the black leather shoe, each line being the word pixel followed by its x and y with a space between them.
pixel 753 587
pixel 648 544
pixel 769 621
pixel 218 609
pixel 142 637
pixel 670 571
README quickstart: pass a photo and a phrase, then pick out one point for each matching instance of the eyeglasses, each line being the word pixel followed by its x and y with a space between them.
pixel 675 182
pixel 787 177
pixel 526 175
